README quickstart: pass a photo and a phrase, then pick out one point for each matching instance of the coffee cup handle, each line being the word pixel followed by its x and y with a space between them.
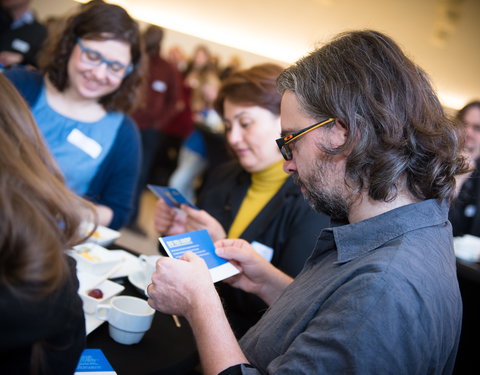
pixel 101 312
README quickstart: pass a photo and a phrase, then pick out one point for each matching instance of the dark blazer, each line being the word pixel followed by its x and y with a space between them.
pixel 31 35
pixel 287 224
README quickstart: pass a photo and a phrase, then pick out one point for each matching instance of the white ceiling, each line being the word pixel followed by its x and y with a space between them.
pixel 442 36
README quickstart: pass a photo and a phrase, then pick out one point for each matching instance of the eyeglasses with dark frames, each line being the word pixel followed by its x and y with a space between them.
pixel 94 58
pixel 284 142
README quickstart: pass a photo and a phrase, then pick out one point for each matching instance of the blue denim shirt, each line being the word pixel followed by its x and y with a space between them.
pixel 376 297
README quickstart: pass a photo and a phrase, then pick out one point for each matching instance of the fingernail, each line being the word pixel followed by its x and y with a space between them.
pixel 219 251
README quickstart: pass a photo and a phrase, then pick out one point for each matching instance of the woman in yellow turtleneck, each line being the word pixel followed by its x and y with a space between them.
pixel 251 198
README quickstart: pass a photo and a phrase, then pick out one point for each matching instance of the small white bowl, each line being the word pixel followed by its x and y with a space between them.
pixel 103 236
pixel 108 288
pixel 94 258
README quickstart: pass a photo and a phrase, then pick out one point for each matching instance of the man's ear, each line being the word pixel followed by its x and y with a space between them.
pixel 338 133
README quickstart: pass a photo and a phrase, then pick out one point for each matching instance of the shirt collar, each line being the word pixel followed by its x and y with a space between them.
pixel 355 239
pixel 25 19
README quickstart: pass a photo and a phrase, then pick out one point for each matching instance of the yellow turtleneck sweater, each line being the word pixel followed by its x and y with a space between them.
pixel 264 186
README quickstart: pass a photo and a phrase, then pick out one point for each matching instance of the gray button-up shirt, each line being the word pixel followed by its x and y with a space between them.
pixel 376 297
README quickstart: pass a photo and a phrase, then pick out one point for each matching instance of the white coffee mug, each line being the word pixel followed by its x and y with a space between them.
pixel 148 264
pixel 128 317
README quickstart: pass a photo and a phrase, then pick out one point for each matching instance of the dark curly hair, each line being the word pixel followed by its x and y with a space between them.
pixel 95 20
pixel 398 133
pixel 254 86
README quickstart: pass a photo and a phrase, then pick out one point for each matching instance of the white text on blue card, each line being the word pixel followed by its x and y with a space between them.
pixel 200 243
pixel 94 362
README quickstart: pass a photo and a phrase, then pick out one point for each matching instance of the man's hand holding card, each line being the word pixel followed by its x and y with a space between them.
pixel 200 243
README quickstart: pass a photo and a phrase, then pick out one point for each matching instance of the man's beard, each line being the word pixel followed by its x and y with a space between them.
pixel 332 203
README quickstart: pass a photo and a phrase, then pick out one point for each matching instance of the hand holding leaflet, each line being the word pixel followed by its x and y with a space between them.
pixel 171 196
pixel 200 243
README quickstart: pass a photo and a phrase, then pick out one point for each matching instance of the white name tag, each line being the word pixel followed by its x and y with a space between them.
pixel 470 210
pixel 21 45
pixel 84 143
pixel 159 86
pixel 265 251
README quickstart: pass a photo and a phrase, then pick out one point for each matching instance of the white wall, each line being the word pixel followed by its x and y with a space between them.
pixel 45 8
pixel 442 36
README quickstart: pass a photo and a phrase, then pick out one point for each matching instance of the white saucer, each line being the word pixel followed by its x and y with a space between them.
pixel 130 264
pixel 92 323
pixel 138 280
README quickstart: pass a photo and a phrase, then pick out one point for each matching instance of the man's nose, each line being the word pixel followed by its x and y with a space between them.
pixel 289 166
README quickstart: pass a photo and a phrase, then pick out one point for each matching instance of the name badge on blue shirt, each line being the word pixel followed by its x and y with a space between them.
pixel 84 143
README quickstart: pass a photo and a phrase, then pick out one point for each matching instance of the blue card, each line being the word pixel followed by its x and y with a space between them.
pixel 171 196
pixel 200 243
pixel 93 362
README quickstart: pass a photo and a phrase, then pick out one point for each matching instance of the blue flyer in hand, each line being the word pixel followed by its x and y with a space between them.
pixel 171 196
pixel 200 243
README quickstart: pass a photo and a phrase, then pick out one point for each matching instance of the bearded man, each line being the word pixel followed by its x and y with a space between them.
pixel 367 140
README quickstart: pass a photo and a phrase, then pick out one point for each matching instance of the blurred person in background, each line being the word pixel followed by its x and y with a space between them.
pixel 88 83
pixel 54 24
pixel 180 126
pixel 233 65
pixel 42 323
pixel 159 104
pixel 465 211
pixel 199 70
pixel 204 146
pixel 178 58
pixel 252 197
pixel 21 34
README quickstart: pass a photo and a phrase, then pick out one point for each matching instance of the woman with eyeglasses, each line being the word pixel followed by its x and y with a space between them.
pixel 251 198
pixel 80 100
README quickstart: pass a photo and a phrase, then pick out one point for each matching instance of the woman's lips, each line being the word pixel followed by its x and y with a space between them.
pixel 241 151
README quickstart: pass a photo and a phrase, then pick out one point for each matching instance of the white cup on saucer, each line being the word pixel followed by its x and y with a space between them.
pixel 128 318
